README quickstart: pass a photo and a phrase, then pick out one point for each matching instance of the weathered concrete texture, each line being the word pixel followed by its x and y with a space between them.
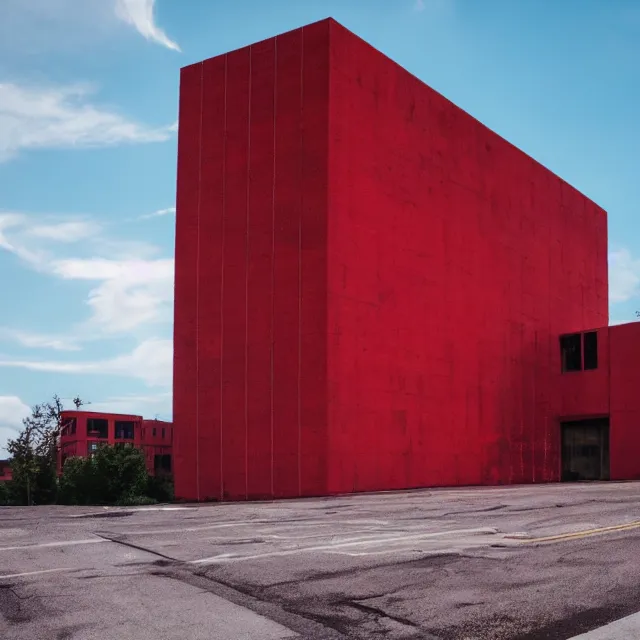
pixel 445 565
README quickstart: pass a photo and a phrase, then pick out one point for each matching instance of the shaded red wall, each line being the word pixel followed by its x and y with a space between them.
pixel 250 285
pixel 624 428
pixel 455 261
pixel 585 394
pixel 370 284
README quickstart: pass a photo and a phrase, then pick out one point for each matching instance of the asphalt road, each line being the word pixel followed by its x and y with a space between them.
pixel 521 563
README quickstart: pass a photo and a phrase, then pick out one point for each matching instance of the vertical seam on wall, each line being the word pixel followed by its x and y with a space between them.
pixel 246 300
pixel 300 214
pixel 273 249
pixel 198 286
pixel 223 217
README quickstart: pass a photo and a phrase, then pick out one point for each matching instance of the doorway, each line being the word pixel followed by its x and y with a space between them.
pixel 585 450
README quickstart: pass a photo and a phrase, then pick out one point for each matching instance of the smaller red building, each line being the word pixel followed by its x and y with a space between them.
pixel 83 431
pixel 5 471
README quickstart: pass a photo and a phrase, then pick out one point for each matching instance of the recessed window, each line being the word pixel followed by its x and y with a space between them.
pixel 124 430
pixel 98 427
pixel 591 350
pixel 153 433
pixel 571 352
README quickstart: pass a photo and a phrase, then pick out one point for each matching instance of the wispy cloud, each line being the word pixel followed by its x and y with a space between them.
pixel 63 117
pixel 12 412
pixel 624 276
pixel 33 340
pixel 156 405
pixel 124 293
pixel 140 14
pixel 159 213
pixel 128 293
pixel 151 361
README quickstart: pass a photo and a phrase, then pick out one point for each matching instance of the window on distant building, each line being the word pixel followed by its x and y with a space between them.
pixel 98 428
pixel 571 352
pixel 163 433
pixel 124 430
pixel 153 433
pixel 591 350
pixel 92 448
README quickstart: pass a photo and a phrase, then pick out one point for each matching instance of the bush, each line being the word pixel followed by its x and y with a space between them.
pixel 111 476
pixel 160 488
pixel 5 494
pixel 135 501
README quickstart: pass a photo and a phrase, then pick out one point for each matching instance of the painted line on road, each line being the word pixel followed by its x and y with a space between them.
pixel 576 535
pixel 46 545
pixel 32 573
pixel 229 557
pixel 622 629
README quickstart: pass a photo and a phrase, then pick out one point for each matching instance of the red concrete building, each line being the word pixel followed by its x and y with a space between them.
pixel 371 288
pixel 5 471
pixel 83 431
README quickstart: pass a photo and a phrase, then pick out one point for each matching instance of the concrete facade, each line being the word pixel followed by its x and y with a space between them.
pixel 370 284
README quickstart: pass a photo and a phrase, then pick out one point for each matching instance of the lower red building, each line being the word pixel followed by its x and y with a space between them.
pixel 84 431
pixel 375 291
pixel 5 471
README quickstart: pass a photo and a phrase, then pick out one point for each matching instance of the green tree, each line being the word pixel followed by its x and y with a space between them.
pixel 112 475
pixel 33 454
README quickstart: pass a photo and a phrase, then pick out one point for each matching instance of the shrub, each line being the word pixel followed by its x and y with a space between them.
pixel 160 488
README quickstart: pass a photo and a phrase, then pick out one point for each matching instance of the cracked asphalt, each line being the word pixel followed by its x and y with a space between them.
pixel 450 564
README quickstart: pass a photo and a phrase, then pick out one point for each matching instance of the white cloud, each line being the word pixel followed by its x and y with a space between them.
pixel 130 293
pixel 39 341
pixel 139 14
pixel 12 221
pixel 71 231
pixel 12 412
pixel 624 276
pixel 150 406
pixel 151 361
pixel 125 293
pixel 63 117
pixel 159 213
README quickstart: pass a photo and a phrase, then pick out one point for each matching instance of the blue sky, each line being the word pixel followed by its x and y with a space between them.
pixel 88 108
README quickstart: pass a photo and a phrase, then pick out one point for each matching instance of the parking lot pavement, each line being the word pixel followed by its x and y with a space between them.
pixel 547 561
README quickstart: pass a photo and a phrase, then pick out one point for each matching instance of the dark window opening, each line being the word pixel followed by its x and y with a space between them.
pixel 98 428
pixel 124 430
pixel 154 432
pixel 162 463
pixel 585 450
pixel 591 350
pixel 571 352
pixel 163 433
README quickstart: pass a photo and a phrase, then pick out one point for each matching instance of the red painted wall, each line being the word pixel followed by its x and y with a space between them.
pixel 585 394
pixel 251 263
pixel 5 471
pixel 625 402
pixel 455 261
pixel 370 284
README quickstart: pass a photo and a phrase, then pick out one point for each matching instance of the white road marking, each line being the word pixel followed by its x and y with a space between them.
pixel 253 524
pixel 226 557
pixel 32 573
pixel 622 629
pixel 62 543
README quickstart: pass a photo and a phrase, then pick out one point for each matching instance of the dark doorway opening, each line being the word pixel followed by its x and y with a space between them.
pixel 585 450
